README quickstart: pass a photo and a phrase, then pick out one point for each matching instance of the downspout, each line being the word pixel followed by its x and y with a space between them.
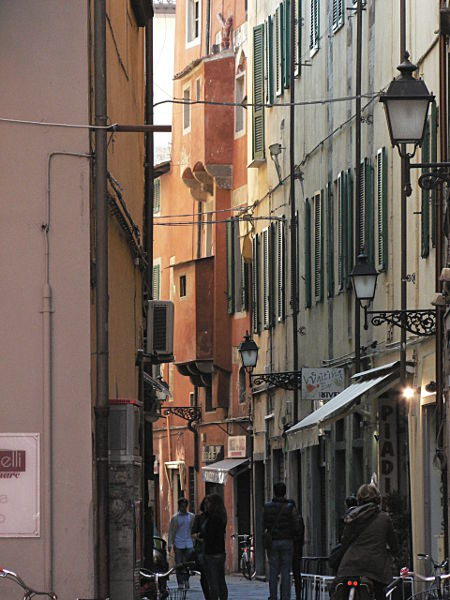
pixel 148 203
pixel 101 207
pixel 294 224
pixel 208 27
pixel 440 408
pixel 358 175
pixel 403 217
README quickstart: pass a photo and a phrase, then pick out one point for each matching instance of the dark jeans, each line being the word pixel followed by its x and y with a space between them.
pixel 297 569
pixel 280 563
pixel 215 574
pixel 183 555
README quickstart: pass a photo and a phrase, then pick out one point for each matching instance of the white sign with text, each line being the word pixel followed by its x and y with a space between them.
pixel 19 485
pixel 322 383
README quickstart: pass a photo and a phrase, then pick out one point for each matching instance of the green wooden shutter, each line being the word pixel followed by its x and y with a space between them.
pixel 272 270
pixel 315 24
pixel 230 266
pixel 296 226
pixel 279 49
pixel 258 92
pixel 425 203
pixel 434 147
pixel 269 60
pixel 362 210
pixel 382 229
pixel 267 258
pixel 296 57
pixel 318 247
pixel 244 284
pixel 330 241
pixel 156 282
pixel 349 228
pixel 156 195
pixel 281 278
pixel 255 284
pixel 369 212
pixel 287 42
pixel 307 253
pixel 338 13
pixel 342 228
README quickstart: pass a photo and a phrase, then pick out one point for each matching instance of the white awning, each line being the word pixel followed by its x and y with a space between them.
pixel 218 472
pixel 376 381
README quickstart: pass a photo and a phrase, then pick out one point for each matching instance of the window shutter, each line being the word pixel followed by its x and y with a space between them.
pixel 369 211
pixel 318 245
pixel 296 226
pixel 362 210
pixel 266 258
pixel 287 42
pixel 315 24
pixel 258 92
pixel 342 224
pixel 307 254
pixel 349 228
pixel 272 267
pixel 297 34
pixel 156 282
pixel 269 60
pixel 338 13
pixel 433 145
pixel 279 46
pixel 255 285
pixel 425 210
pixel 330 241
pixel 281 278
pixel 382 209
pixel 244 284
pixel 156 195
pixel 230 265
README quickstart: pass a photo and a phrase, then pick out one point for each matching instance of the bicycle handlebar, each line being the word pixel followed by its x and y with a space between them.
pixel 156 575
pixel 29 592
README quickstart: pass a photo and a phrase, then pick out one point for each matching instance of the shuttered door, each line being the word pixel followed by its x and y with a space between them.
pixel 258 92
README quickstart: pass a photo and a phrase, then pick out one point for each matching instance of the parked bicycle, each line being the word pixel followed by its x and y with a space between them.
pixel 352 588
pixel 154 584
pixel 28 592
pixel 436 567
pixel 247 555
pixel 436 586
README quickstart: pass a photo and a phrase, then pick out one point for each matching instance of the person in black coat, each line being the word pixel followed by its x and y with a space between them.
pixel 197 533
pixel 213 534
pixel 370 535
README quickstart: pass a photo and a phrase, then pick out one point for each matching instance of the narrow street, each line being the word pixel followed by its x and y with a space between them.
pixel 238 589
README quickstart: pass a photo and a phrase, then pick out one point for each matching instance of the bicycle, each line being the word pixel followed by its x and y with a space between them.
pixel 436 567
pixel 352 588
pixel 158 590
pixel 438 585
pixel 28 591
pixel 247 558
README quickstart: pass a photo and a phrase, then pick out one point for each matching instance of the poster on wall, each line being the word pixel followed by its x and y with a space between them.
pixel 19 485
pixel 322 383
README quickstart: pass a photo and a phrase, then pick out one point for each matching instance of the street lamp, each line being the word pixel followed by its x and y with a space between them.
pixel 420 322
pixel 249 352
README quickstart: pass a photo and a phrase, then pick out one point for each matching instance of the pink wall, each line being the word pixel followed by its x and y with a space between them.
pixel 44 74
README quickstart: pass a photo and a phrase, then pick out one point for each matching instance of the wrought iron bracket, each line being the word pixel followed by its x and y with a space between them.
pixel 420 322
pixel 438 174
pixel 192 414
pixel 287 380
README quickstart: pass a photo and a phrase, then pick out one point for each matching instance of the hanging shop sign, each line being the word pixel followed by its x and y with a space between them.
pixel 212 453
pixel 19 485
pixel 387 444
pixel 237 446
pixel 322 383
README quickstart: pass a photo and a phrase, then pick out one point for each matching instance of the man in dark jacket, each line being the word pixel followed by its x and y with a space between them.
pixel 284 523
pixel 368 533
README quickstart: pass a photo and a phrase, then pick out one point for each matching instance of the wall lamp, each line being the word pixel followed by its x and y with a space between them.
pixel 364 276
pixel 406 103
pixel 287 380
pixel 275 151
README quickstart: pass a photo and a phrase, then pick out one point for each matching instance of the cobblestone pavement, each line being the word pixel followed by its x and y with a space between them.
pixel 238 589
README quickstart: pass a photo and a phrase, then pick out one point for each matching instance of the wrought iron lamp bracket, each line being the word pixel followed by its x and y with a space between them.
pixel 192 414
pixel 420 322
pixel 287 380
pixel 438 174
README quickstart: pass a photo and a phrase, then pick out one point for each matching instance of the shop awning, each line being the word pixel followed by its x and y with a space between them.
pixel 375 381
pixel 218 472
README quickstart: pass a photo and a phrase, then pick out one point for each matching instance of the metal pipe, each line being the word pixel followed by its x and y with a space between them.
pixel 294 224
pixel 141 128
pixel 358 174
pixel 403 216
pixel 101 206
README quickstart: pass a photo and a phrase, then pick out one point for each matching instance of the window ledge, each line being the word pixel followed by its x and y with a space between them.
pixel 256 162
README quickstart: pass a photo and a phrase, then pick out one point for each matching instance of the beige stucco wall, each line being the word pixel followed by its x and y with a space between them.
pixel 44 73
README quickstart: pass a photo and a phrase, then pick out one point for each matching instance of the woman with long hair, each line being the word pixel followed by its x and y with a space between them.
pixel 214 538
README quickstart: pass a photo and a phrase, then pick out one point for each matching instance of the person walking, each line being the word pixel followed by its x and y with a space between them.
pixel 197 533
pixel 368 537
pixel 214 537
pixel 180 539
pixel 282 521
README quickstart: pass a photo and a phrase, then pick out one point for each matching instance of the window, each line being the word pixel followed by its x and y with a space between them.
pixel 156 195
pixel 286 11
pixel 198 88
pixel 192 21
pixel 338 14
pixel 381 209
pixel 279 50
pixel 281 262
pixel 236 270
pixel 208 399
pixel 341 204
pixel 209 234
pixel 314 26
pixel 239 111
pixel 298 37
pixel 258 93
pixel 307 253
pixel 156 281
pixel 267 272
pixel 255 284
pixel 330 240
pixel 269 60
pixel 182 286
pixel 191 398
pixel 242 385
pixel 187 109
pixel 318 246
pixel 366 211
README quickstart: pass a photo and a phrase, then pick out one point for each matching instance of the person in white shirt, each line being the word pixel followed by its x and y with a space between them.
pixel 180 539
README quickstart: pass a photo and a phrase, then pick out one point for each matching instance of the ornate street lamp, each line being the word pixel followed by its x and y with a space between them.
pixel 249 353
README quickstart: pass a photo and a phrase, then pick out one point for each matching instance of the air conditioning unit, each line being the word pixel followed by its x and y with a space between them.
pixel 160 330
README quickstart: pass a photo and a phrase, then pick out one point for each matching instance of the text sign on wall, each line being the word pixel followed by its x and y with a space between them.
pixel 237 446
pixel 322 383
pixel 19 485
pixel 387 444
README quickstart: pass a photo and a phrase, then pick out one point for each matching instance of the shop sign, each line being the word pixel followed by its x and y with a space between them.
pixel 237 446
pixel 212 453
pixel 19 485
pixel 387 443
pixel 322 384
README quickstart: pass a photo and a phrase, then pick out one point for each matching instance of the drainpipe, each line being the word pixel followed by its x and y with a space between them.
pixel 403 213
pixel 101 206
pixel 294 224
pixel 148 203
pixel 358 174
pixel 208 27
pixel 440 408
